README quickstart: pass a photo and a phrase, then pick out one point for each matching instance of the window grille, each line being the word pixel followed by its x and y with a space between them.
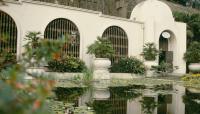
pixel 61 29
pixel 119 40
pixel 8 33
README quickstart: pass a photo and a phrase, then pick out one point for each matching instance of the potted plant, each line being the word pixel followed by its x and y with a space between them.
pixel 103 50
pixel 149 53
pixel 192 56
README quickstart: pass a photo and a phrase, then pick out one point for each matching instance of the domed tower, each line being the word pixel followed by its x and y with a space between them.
pixel 161 28
pixel 155 15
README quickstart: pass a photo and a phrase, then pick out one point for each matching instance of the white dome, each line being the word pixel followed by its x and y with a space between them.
pixel 152 10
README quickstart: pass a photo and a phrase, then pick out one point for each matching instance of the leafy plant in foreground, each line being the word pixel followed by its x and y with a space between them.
pixel 21 96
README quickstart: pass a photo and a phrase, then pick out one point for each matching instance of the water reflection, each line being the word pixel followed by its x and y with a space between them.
pixel 131 100
pixel 192 103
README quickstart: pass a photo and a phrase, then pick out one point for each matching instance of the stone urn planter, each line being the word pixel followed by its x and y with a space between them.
pixel 193 90
pixel 102 49
pixel 101 66
pixel 149 64
pixel 150 52
pixel 194 67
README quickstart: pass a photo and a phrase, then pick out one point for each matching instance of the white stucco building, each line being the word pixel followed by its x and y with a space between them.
pixel 151 21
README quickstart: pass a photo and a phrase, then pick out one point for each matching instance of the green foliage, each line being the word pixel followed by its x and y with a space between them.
pixel 164 98
pixel 163 87
pixel 66 64
pixel 191 79
pixel 87 78
pixel 7 59
pixel 23 96
pixel 33 39
pixel 126 92
pixel 101 48
pixel 192 54
pixel 69 94
pixel 192 103
pixel 101 106
pixel 128 65
pixel 38 49
pixel 163 68
pixel 193 26
pixel 148 105
pixel 20 96
pixel 149 51
pixel 60 107
pixel 188 3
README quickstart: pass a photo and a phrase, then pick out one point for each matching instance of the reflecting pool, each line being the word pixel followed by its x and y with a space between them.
pixel 132 99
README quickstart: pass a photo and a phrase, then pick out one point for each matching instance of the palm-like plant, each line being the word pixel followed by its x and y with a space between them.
pixel 101 48
pixel 150 52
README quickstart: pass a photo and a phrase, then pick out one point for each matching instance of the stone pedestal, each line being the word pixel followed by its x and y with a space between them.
pixel 101 78
pixel 101 71
pixel 150 71
pixel 101 93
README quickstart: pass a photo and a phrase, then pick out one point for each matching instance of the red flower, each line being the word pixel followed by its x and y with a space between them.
pixel 36 104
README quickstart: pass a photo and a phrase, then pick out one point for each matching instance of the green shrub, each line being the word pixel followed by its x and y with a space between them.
pixel 67 64
pixel 69 94
pixel 163 68
pixel 128 65
pixel 7 59
pixel 192 54
pixel 101 48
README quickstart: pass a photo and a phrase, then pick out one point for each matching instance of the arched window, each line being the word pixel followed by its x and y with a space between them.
pixel 64 29
pixel 119 39
pixel 8 34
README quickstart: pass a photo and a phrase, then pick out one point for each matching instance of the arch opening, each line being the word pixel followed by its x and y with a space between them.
pixel 8 35
pixel 119 40
pixel 64 29
pixel 167 46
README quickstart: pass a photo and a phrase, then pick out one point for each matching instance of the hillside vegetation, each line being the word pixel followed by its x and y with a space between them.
pixel 176 7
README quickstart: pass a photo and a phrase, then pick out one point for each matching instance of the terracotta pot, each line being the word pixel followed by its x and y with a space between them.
pixel 194 67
